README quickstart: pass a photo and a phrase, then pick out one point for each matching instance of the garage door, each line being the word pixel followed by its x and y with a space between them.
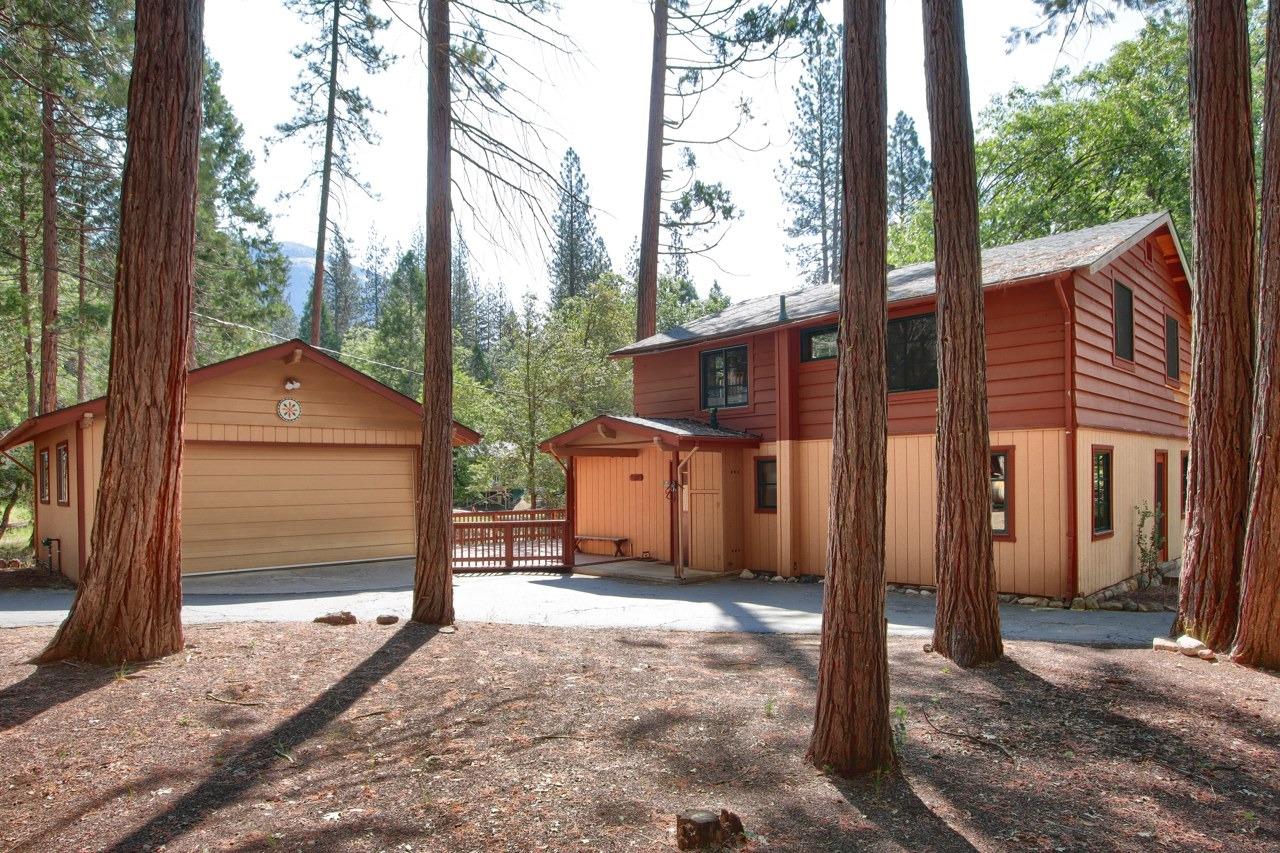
pixel 254 506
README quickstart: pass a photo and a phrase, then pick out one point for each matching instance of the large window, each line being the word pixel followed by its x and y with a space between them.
pixel 766 484
pixel 63 467
pixel 912 353
pixel 724 378
pixel 1172 351
pixel 1102 521
pixel 1123 318
pixel 42 475
pixel 818 344
pixel 1001 491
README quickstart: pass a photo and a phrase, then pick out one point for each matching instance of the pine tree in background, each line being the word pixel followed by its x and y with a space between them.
pixel 375 277
pixel 578 254
pixel 463 301
pixel 811 180
pixel 909 171
pixel 344 289
pixel 333 114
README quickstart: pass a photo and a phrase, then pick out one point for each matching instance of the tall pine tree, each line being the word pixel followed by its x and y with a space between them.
pixel 909 170
pixel 578 255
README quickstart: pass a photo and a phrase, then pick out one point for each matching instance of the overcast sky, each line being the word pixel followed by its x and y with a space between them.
pixel 595 101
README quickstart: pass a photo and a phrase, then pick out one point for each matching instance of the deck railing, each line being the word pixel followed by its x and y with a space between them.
pixel 510 515
pixel 503 544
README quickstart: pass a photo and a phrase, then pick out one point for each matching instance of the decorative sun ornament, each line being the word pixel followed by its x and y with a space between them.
pixel 289 409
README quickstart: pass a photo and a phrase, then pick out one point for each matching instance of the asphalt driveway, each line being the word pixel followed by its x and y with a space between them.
pixel 577 601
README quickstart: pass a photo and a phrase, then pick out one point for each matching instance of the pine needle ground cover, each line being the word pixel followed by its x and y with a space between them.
pixel 301 736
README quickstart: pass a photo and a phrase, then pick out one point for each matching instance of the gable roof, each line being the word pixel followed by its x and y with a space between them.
pixel 32 427
pixel 1091 248
pixel 678 432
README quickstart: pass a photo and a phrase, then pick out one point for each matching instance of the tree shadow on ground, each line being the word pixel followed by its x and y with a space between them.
pixel 238 774
pixel 48 687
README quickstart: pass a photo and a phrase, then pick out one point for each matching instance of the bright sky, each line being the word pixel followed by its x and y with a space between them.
pixel 595 101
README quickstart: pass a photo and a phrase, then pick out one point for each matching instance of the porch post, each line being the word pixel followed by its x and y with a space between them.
pixel 570 510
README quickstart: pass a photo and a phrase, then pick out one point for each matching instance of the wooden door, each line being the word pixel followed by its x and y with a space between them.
pixel 704 518
pixel 1161 501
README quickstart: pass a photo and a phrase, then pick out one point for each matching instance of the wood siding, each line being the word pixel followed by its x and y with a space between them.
pixel 760 529
pixel 55 521
pixel 247 506
pixel 1109 560
pixel 1110 392
pixel 611 503
pixel 668 385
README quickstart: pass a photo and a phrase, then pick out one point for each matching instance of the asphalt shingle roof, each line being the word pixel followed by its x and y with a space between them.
pixel 1031 258
pixel 684 427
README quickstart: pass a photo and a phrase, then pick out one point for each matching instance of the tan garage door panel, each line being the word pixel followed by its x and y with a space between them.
pixel 252 506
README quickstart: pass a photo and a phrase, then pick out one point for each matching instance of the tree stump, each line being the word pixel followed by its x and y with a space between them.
pixel 698 830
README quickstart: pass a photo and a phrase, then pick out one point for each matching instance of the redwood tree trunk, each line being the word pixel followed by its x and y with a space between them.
pixel 851 731
pixel 80 284
pixel 24 291
pixel 326 173
pixel 129 601
pixel 49 261
pixel 1257 641
pixel 967 623
pixel 1222 199
pixel 433 572
pixel 650 224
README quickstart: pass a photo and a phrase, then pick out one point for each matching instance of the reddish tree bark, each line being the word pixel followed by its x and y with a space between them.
pixel 81 275
pixel 1222 199
pixel 851 731
pixel 129 601
pixel 49 255
pixel 967 621
pixel 650 223
pixel 24 290
pixel 433 572
pixel 1257 641
pixel 326 174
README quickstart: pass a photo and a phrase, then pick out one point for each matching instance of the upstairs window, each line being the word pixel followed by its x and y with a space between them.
pixel 1123 318
pixel 912 353
pixel 42 475
pixel 818 344
pixel 62 462
pixel 1102 523
pixel 1001 492
pixel 724 378
pixel 766 484
pixel 1172 351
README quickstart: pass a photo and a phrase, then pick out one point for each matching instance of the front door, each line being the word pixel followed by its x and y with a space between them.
pixel 1161 503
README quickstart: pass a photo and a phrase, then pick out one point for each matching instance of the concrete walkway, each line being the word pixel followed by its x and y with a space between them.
pixel 370 589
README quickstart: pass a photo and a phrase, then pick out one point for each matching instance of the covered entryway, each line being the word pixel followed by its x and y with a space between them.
pixel 254 506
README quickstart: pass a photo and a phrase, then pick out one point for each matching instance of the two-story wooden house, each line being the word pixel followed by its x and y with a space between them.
pixel 1088 363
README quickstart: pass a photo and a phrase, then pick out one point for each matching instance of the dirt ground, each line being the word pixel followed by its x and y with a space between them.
pixel 28 577
pixel 309 737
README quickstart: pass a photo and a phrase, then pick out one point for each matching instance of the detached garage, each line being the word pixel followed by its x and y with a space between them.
pixel 292 458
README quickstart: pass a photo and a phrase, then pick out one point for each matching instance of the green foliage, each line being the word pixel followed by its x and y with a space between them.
pixel 578 254
pixel 1149 544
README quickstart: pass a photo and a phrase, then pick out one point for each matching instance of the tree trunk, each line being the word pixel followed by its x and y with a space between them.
pixel 326 172
pixel 24 291
pixel 80 283
pixel 9 504
pixel 1257 640
pixel 433 572
pixel 824 221
pixel 650 224
pixel 1222 199
pixel 129 601
pixel 49 238
pixel 967 622
pixel 851 732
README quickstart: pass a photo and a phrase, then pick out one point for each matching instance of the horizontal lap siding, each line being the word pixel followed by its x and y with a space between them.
pixel 1035 563
pixel 1025 371
pixel 1137 397
pixel 609 503
pixel 1108 561
pixel 667 385
pixel 248 506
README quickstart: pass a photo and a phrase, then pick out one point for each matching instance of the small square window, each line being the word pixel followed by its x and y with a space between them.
pixel 766 483
pixel 819 344
pixel 1123 319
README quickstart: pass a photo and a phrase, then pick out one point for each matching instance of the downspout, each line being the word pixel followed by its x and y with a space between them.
pixel 1070 425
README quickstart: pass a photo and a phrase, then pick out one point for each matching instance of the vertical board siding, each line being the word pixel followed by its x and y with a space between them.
pixel 667 385
pixel 760 528
pixel 1108 561
pixel 1114 394
pixel 610 503
pixel 1035 563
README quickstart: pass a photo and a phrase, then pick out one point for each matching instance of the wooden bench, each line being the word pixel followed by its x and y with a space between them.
pixel 619 542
